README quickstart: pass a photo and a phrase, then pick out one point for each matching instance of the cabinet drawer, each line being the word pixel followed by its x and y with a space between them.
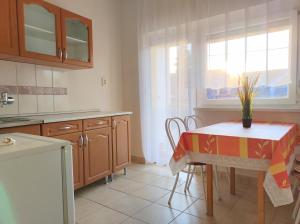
pixel 94 123
pixel 61 128
pixel 29 129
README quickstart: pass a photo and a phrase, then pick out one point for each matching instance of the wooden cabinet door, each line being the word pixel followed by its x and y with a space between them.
pixel 121 142
pixel 39 31
pixel 8 27
pixel 97 154
pixel 77 150
pixel 76 39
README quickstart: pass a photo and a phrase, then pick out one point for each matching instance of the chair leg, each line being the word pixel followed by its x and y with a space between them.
pixel 296 209
pixel 203 181
pixel 187 178
pixel 216 181
pixel 173 190
pixel 192 175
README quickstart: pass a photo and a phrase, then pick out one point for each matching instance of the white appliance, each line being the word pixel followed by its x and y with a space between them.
pixel 36 181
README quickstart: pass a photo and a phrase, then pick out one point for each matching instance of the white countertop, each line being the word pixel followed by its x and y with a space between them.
pixel 51 118
pixel 75 116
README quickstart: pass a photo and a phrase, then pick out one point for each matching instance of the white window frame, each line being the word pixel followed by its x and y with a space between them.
pixel 203 102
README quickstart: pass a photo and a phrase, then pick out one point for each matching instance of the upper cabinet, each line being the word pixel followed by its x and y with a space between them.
pixel 38 32
pixel 76 39
pixel 8 27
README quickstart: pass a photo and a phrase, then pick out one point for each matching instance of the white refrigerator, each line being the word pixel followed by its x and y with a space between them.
pixel 36 181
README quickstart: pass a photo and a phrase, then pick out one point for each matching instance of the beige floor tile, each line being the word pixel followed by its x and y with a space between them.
pixel 84 207
pixel 128 205
pixel 195 190
pixel 146 178
pixel 103 216
pixel 166 183
pixel 283 214
pixel 198 208
pixel 179 201
pixel 132 174
pixel 155 214
pixel 126 185
pixel 188 219
pixel 159 170
pixel 103 195
pixel 133 221
pixel 132 194
pixel 139 167
pixel 151 193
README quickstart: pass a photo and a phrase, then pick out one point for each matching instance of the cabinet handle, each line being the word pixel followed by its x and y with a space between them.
pixel 103 136
pixel 60 53
pixel 114 124
pixel 101 122
pixel 67 127
pixel 86 140
pixel 81 141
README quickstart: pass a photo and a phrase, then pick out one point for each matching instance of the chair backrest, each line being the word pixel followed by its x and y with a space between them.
pixel 174 128
pixel 192 122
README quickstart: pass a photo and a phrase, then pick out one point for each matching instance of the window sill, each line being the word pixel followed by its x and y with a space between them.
pixel 290 109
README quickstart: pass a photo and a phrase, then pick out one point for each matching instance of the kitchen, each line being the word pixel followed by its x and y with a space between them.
pixel 95 81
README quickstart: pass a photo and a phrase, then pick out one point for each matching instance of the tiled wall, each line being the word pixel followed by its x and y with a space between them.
pixel 29 98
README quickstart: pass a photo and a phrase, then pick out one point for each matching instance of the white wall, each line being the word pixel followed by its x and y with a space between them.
pixel 84 86
pixel 130 71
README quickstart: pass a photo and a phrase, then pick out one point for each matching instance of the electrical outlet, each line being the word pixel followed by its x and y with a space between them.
pixel 103 82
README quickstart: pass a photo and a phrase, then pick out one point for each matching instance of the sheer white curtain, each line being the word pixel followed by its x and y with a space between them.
pixel 177 63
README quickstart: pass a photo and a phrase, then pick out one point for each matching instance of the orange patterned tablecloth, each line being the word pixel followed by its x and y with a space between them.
pixel 271 144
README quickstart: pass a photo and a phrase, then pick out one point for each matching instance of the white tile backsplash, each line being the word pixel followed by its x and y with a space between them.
pixel 8 74
pixel 44 76
pixel 45 103
pixel 26 74
pixel 62 103
pixel 27 104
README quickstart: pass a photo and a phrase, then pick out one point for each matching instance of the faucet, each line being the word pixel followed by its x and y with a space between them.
pixel 5 99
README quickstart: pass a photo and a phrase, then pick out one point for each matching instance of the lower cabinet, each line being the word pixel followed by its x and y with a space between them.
pixel 97 154
pixel 121 142
pixel 78 167
pixel 101 146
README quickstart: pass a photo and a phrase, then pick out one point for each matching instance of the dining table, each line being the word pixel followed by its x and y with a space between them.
pixel 268 148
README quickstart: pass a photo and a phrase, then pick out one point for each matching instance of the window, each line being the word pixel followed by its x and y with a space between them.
pixel 169 77
pixel 263 54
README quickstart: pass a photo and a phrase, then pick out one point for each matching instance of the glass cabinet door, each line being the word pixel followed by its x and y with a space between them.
pixel 40 30
pixel 76 34
pixel 77 40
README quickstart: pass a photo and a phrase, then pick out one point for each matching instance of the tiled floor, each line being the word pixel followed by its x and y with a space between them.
pixel 141 197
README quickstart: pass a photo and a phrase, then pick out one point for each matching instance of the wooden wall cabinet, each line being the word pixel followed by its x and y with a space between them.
pixel 77 39
pixel 39 31
pixel 34 31
pixel 121 142
pixel 9 29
